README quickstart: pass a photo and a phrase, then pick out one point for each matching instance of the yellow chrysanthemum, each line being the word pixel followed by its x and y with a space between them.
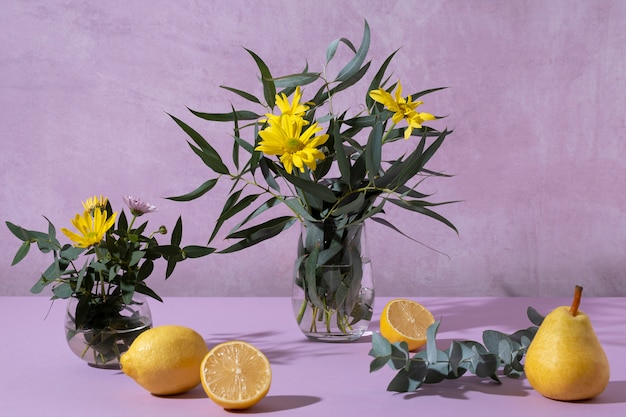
pixel 403 108
pixel 285 137
pixel 94 202
pixel 295 108
pixel 91 228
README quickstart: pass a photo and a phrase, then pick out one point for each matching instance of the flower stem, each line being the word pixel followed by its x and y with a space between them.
pixel 301 311
pixel 132 222
pixel 388 132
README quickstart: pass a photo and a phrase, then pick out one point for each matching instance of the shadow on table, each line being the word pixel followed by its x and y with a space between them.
pixel 274 403
pixel 284 350
pixel 613 394
pixel 460 388
pixel 269 404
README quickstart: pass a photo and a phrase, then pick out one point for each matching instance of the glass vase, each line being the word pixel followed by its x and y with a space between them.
pixel 333 289
pixel 107 329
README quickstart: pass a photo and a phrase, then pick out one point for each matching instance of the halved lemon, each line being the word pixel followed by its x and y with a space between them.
pixel 405 320
pixel 235 375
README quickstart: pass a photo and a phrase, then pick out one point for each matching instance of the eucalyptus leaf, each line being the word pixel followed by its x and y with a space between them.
pixel 416 96
pixel 21 253
pixel 51 230
pixel 378 79
pixel 198 192
pixel 145 270
pixel 332 48
pixel 177 233
pixel 169 251
pixel 269 89
pixel 227 117
pixel 268 175
pixel 238 207
pixel 534 316
pixel 19 232
pixel 401 382
pixel 39 285
pixel 423 210
pixel 342 161
pixel 272 202
pixel 374 151
pixel 144 289
pixel 63 290
pixel 195 251
pixel 245 145
pixel 350 81
pixel 70 252
pixel 81 274
pixel 311 278
pixel 439 369
pixel 259 233
pixel 243 94
pixel 230 202
pixel 296 206
pixel 378 362
pixel 380 345
pixel 315 189
pixel 136 256
pixel 296 80
pixel 205 151
pixel 431 346
pixel 236 144
pixel 355 63
pixel 350 205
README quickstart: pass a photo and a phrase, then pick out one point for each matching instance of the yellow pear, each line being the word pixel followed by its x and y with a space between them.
pixel 565 360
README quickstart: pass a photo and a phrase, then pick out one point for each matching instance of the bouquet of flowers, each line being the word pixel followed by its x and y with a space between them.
pixel 118 258
pixel 333 169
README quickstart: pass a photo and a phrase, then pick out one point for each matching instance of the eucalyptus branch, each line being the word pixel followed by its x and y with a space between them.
pixel 500 353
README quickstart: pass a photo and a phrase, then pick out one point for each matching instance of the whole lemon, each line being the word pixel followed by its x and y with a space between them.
pixel 165 359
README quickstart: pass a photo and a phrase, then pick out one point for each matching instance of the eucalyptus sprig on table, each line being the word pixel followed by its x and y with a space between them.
pixel 499 351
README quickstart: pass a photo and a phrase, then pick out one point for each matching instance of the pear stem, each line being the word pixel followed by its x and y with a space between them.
pixel 578 292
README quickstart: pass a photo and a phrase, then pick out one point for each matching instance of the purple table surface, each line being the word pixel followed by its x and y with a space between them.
pixel 40 376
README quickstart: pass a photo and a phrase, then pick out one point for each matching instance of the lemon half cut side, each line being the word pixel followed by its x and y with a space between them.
pixel 235 375
pixel 405 320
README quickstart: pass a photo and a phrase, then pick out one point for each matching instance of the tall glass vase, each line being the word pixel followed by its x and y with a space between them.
pixel 333 289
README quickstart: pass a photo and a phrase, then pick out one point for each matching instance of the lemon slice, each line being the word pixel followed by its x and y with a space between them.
pixel 405 320
pixel 235 375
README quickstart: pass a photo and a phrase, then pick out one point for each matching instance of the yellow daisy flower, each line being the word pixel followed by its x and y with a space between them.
pixel 295 108
pixel 403 108
pixel 94 202
pixel 284 137
pixel 91 228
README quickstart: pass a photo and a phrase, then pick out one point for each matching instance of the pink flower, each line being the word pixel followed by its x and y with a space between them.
pixel 138 207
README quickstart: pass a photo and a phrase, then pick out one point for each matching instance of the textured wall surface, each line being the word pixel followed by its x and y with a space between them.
pixel 536 99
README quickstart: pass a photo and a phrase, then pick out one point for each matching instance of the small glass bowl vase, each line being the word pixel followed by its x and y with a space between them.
pixel 108 329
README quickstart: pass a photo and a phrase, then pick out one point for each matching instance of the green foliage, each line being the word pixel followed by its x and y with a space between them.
pixel 358 175
pixel 110 272
pixel 499 353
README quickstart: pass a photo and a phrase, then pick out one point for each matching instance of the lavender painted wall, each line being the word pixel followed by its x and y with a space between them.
pixel 536 99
